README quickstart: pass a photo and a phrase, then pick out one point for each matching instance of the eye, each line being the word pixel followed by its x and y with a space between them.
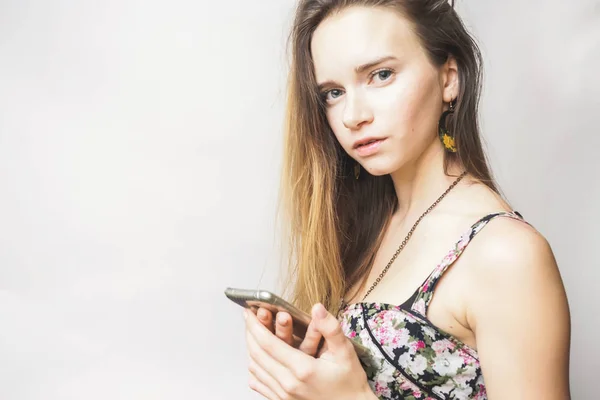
pixel 385 74
pixel 382 74
pixel 332 94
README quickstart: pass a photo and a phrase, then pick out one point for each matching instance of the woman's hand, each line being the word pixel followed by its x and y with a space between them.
pixel 279 371
pixel 283 328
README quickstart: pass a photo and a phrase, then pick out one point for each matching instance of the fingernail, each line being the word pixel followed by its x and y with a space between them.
pixel 262 314
pixel 321 311
pixel 282 321
pixel 245 314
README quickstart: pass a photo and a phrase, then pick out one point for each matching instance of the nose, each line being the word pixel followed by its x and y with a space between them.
pixel 356 112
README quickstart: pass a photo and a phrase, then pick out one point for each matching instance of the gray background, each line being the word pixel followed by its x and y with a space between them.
pixel 139 160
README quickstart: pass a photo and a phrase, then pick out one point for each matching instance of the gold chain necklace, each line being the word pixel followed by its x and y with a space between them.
pixel 403 244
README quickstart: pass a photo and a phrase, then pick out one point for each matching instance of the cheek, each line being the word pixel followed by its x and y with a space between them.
pixel 408 110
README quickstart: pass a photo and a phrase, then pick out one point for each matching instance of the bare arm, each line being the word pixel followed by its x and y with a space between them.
pixel 519 313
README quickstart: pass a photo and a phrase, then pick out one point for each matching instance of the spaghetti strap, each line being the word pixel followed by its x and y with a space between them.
pixel 424 294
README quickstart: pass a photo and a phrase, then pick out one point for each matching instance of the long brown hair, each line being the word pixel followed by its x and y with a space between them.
pixel 335 223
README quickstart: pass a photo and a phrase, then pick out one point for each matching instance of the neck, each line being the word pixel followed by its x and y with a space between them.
pixel 420 183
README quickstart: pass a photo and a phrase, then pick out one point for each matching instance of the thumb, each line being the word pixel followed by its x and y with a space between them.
pixel 330 328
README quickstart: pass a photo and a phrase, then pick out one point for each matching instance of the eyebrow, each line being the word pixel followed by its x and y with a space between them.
pixel 360 69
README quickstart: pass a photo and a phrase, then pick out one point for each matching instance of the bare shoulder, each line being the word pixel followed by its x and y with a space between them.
pixel 512 252
pixel 512 260
pixel 517 308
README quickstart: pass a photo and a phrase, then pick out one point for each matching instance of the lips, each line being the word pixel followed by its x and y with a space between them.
pixel 365 142
pixel 368 147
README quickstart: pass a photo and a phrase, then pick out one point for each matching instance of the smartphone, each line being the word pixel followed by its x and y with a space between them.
pixel 253 299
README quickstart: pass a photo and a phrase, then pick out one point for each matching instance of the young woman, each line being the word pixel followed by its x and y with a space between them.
pixel 400 239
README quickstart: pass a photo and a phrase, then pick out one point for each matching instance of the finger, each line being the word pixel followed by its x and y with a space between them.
pixel 284 327
pixel 268 371
pixel 275 349
pixel 255 383
pixel 311 341
pixel 266 318
pixel 330 328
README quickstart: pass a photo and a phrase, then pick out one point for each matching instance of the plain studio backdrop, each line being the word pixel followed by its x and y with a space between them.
pixel 140 150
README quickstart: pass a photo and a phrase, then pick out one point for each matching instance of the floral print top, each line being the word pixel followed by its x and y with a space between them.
pixel 410 358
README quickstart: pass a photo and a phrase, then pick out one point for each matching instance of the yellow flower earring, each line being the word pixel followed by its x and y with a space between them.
pixel 446 136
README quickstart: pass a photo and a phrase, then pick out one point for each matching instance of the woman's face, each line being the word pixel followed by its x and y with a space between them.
pixel 378 84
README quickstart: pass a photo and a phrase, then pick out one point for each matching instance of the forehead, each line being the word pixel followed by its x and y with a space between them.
pixel 357 35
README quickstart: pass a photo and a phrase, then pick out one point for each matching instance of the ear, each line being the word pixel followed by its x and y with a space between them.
pixel 450 82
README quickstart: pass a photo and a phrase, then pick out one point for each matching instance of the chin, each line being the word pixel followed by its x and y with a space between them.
pixel 380 169
pixel 379 166
pixel 378 172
